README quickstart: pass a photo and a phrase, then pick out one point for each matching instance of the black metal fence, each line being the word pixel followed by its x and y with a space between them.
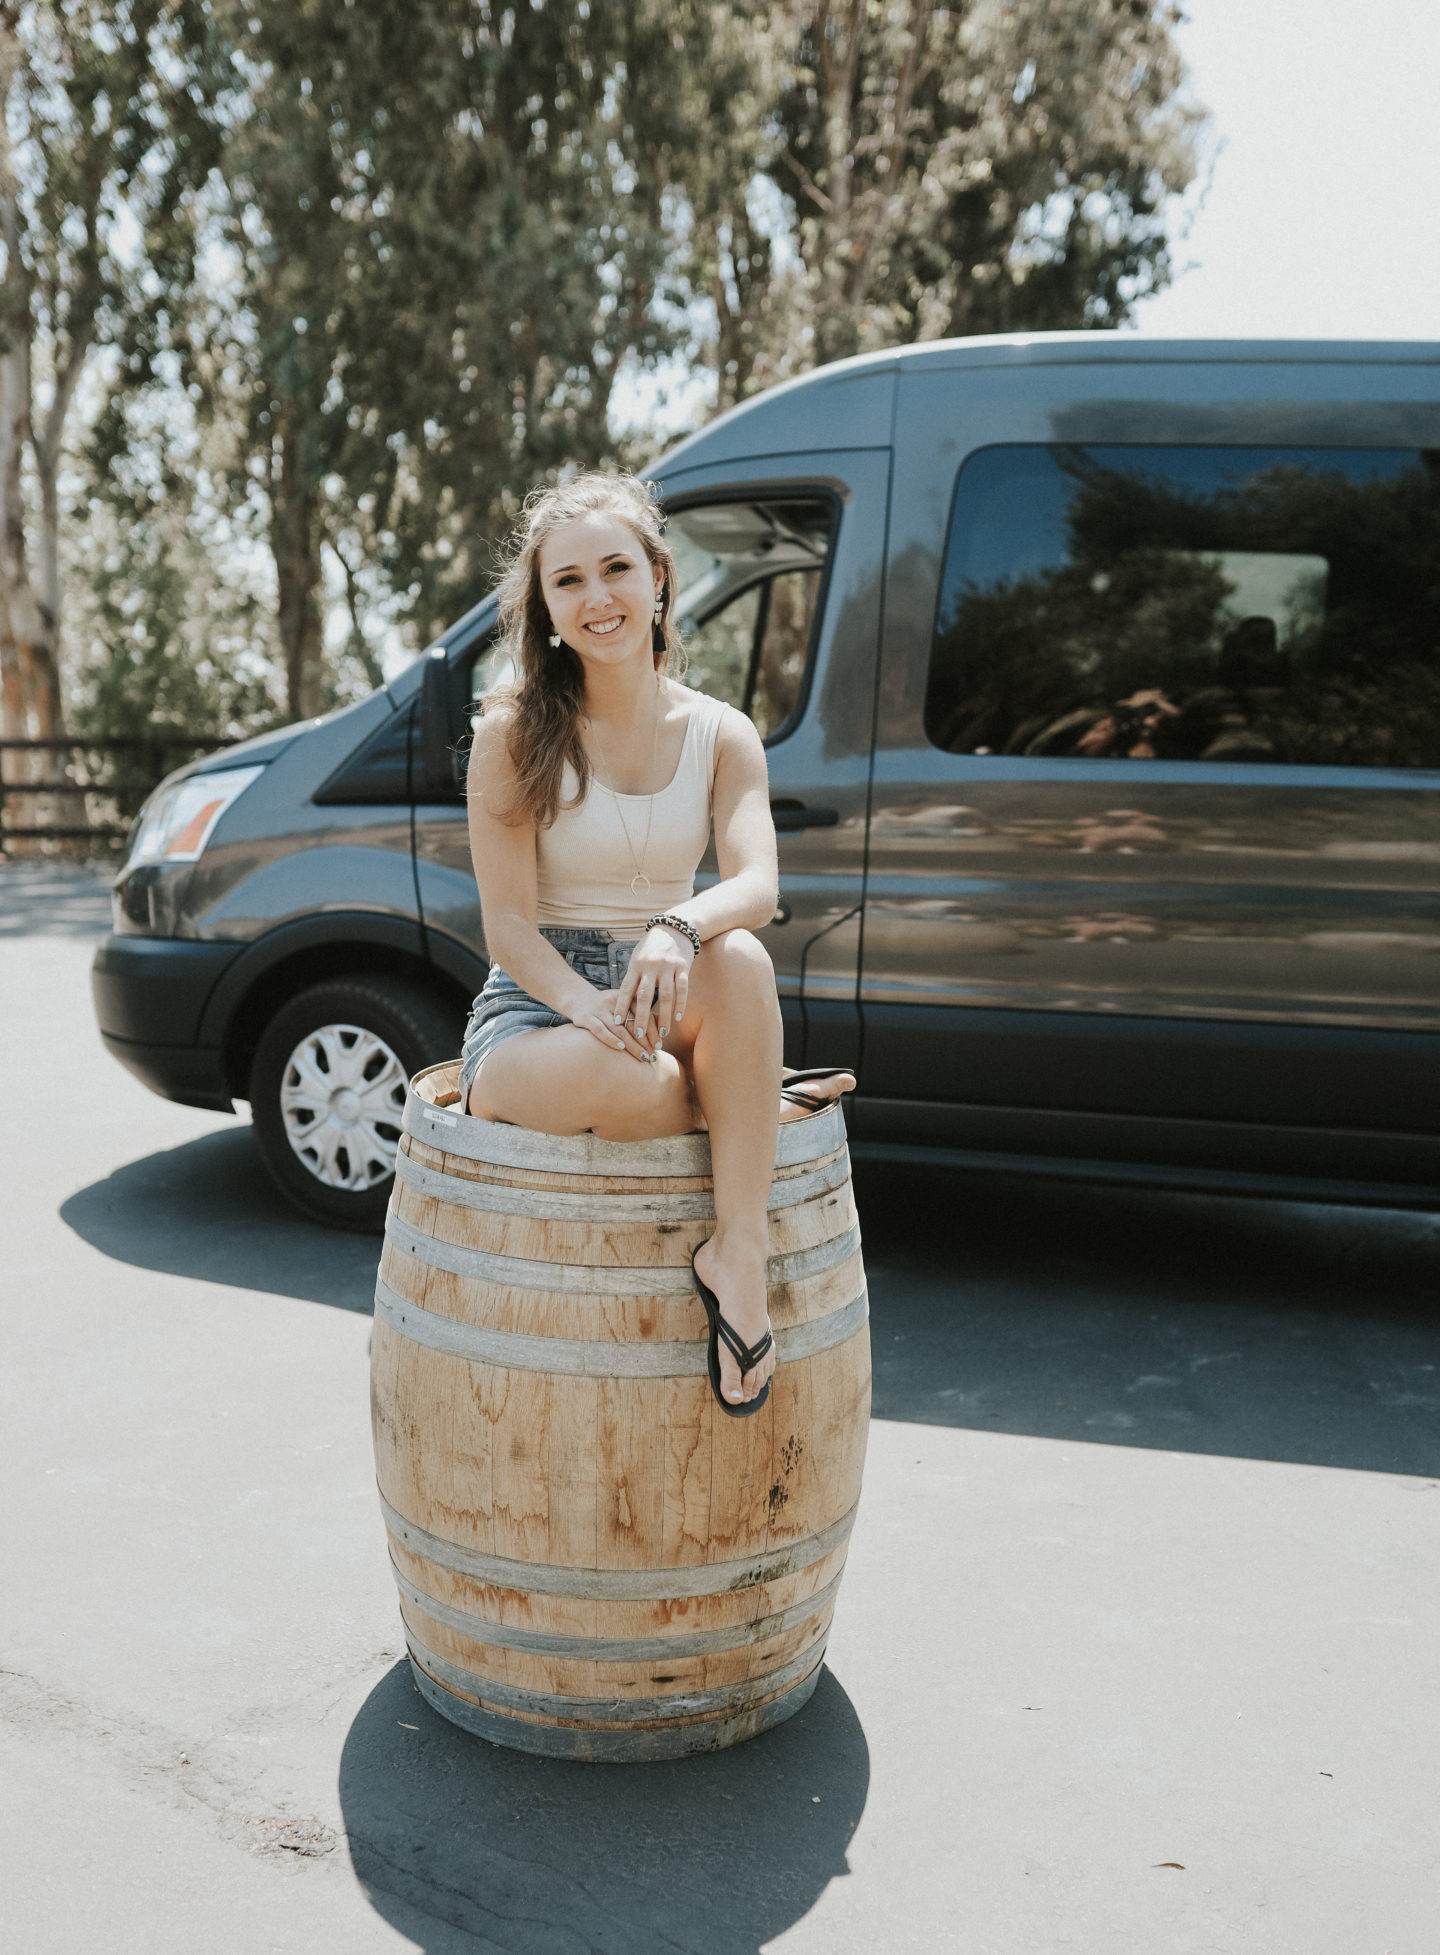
pixel 101 782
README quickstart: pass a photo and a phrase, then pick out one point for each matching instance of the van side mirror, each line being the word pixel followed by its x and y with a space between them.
pixel 440 729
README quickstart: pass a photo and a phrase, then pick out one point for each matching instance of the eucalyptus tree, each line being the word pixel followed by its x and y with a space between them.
pixel 987 166
pixel 104 134
pixel 453 225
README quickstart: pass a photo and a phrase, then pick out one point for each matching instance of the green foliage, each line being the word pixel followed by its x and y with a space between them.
pixel 401 256
pixel 452 230
pixel 104 131
pixel 172 607
pixel 998 166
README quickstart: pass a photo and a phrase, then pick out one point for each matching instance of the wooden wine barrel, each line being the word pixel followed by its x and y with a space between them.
pixel 593 1560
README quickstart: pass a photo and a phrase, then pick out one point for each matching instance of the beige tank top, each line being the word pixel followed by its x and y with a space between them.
pixel 584 864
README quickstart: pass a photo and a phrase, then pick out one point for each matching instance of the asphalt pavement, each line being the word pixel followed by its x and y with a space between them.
pixel 1135 1650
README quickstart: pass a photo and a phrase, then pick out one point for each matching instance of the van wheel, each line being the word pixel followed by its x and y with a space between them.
pixel 327 1091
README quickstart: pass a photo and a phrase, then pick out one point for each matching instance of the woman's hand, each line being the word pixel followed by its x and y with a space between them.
pixel 601 1016
pixel 657 984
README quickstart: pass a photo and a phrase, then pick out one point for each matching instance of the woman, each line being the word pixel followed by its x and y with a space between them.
pixel 620 1002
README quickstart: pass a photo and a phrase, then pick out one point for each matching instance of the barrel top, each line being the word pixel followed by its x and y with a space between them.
pixel 503 1145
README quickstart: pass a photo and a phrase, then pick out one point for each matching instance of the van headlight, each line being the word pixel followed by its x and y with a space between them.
pixel 177 821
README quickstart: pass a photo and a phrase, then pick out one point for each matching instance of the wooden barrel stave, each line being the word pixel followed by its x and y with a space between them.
pixel 608 1731
pixel 614 1242
pixel 563 1583
pixel 606 1629
pixel 622 1675
pixel 462 1169
pixel 687 1738
pixel 664 1484
pixel 724 1614
pixel 600 1314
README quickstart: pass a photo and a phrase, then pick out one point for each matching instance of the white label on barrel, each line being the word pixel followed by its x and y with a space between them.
pixel 445 1119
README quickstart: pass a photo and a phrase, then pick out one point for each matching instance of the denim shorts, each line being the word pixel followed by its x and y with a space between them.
pixel 503 1010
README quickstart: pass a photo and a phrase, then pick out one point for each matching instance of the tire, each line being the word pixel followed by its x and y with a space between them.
pixel 330 1148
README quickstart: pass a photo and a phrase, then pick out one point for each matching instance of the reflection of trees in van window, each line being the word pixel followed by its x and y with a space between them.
pixel 752 654
pixel 719 651
pixel 1206 603
pixel 749 581
pixel 784 647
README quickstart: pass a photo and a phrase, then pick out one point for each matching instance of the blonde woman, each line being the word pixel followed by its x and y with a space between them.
pixel 619 1002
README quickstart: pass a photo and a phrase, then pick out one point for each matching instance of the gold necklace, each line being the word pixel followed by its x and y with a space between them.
pixel 639 882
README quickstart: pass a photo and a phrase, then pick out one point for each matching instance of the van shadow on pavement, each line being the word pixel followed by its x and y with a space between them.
pixel 44 899
pixel 1197 1324
pixel 1258 1329
pixel 208 1209
pixel 458 1842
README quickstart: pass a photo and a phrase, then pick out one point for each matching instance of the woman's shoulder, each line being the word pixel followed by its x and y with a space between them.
pixel 491 757
pixel 706 711
pixel 493 723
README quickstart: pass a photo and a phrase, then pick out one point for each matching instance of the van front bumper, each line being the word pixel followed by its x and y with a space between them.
pixel 149 994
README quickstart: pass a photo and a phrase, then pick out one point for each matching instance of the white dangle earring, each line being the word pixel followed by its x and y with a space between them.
pixel 554 641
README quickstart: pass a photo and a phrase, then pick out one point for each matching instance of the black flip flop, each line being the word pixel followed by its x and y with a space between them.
pixel 747 1356
pixel 812 1102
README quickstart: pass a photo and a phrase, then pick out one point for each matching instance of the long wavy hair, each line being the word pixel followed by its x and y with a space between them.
pixel 547 700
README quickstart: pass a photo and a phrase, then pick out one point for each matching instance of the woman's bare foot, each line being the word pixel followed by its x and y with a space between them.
pixel 829 1088
pixel 735 1271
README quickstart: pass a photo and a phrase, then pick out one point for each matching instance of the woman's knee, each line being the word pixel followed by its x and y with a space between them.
pixel 737 958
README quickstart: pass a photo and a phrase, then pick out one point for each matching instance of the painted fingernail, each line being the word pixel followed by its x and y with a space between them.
pixel 617 1020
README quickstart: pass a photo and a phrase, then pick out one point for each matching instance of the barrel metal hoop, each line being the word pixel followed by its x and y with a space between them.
pixel 557 1205
pixel 620 1584
pixel 615 1710
pixel 595 1279
pixel 612 1649
pixel 508 1146
pixel 582 1357
pixel 615 1745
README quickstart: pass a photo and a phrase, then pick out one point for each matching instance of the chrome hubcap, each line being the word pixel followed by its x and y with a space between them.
pixel 342 1096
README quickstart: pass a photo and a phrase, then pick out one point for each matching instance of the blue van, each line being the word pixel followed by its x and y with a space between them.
pixel 1100 683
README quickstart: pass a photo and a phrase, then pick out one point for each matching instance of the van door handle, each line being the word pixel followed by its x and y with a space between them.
pixel 792 815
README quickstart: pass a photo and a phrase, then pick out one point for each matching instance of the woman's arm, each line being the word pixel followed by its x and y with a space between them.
pixel 743 899
pixel 749 885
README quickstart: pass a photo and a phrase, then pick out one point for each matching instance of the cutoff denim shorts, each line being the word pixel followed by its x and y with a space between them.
pixel 503 1010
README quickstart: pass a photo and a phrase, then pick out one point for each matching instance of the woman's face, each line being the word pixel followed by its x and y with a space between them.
pixel 600 587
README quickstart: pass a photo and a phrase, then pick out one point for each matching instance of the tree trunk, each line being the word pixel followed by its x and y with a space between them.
pixel 29 661
pixel 14 411
pixel 295 540
pixel 12 538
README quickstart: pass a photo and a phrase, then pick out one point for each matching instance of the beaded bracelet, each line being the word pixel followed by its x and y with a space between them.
pixel 676 923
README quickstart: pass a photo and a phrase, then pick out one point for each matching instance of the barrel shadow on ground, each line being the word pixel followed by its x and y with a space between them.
pixel 1258 1329
pixel 459 1843
pixel 208 1209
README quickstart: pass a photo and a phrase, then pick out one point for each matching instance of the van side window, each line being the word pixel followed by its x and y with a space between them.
pixel 1192 603
pixel 750 576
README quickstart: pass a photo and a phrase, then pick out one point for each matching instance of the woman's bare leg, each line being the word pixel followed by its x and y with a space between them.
pixel 721 1063
pixel 730 1038
pixel 563 1081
